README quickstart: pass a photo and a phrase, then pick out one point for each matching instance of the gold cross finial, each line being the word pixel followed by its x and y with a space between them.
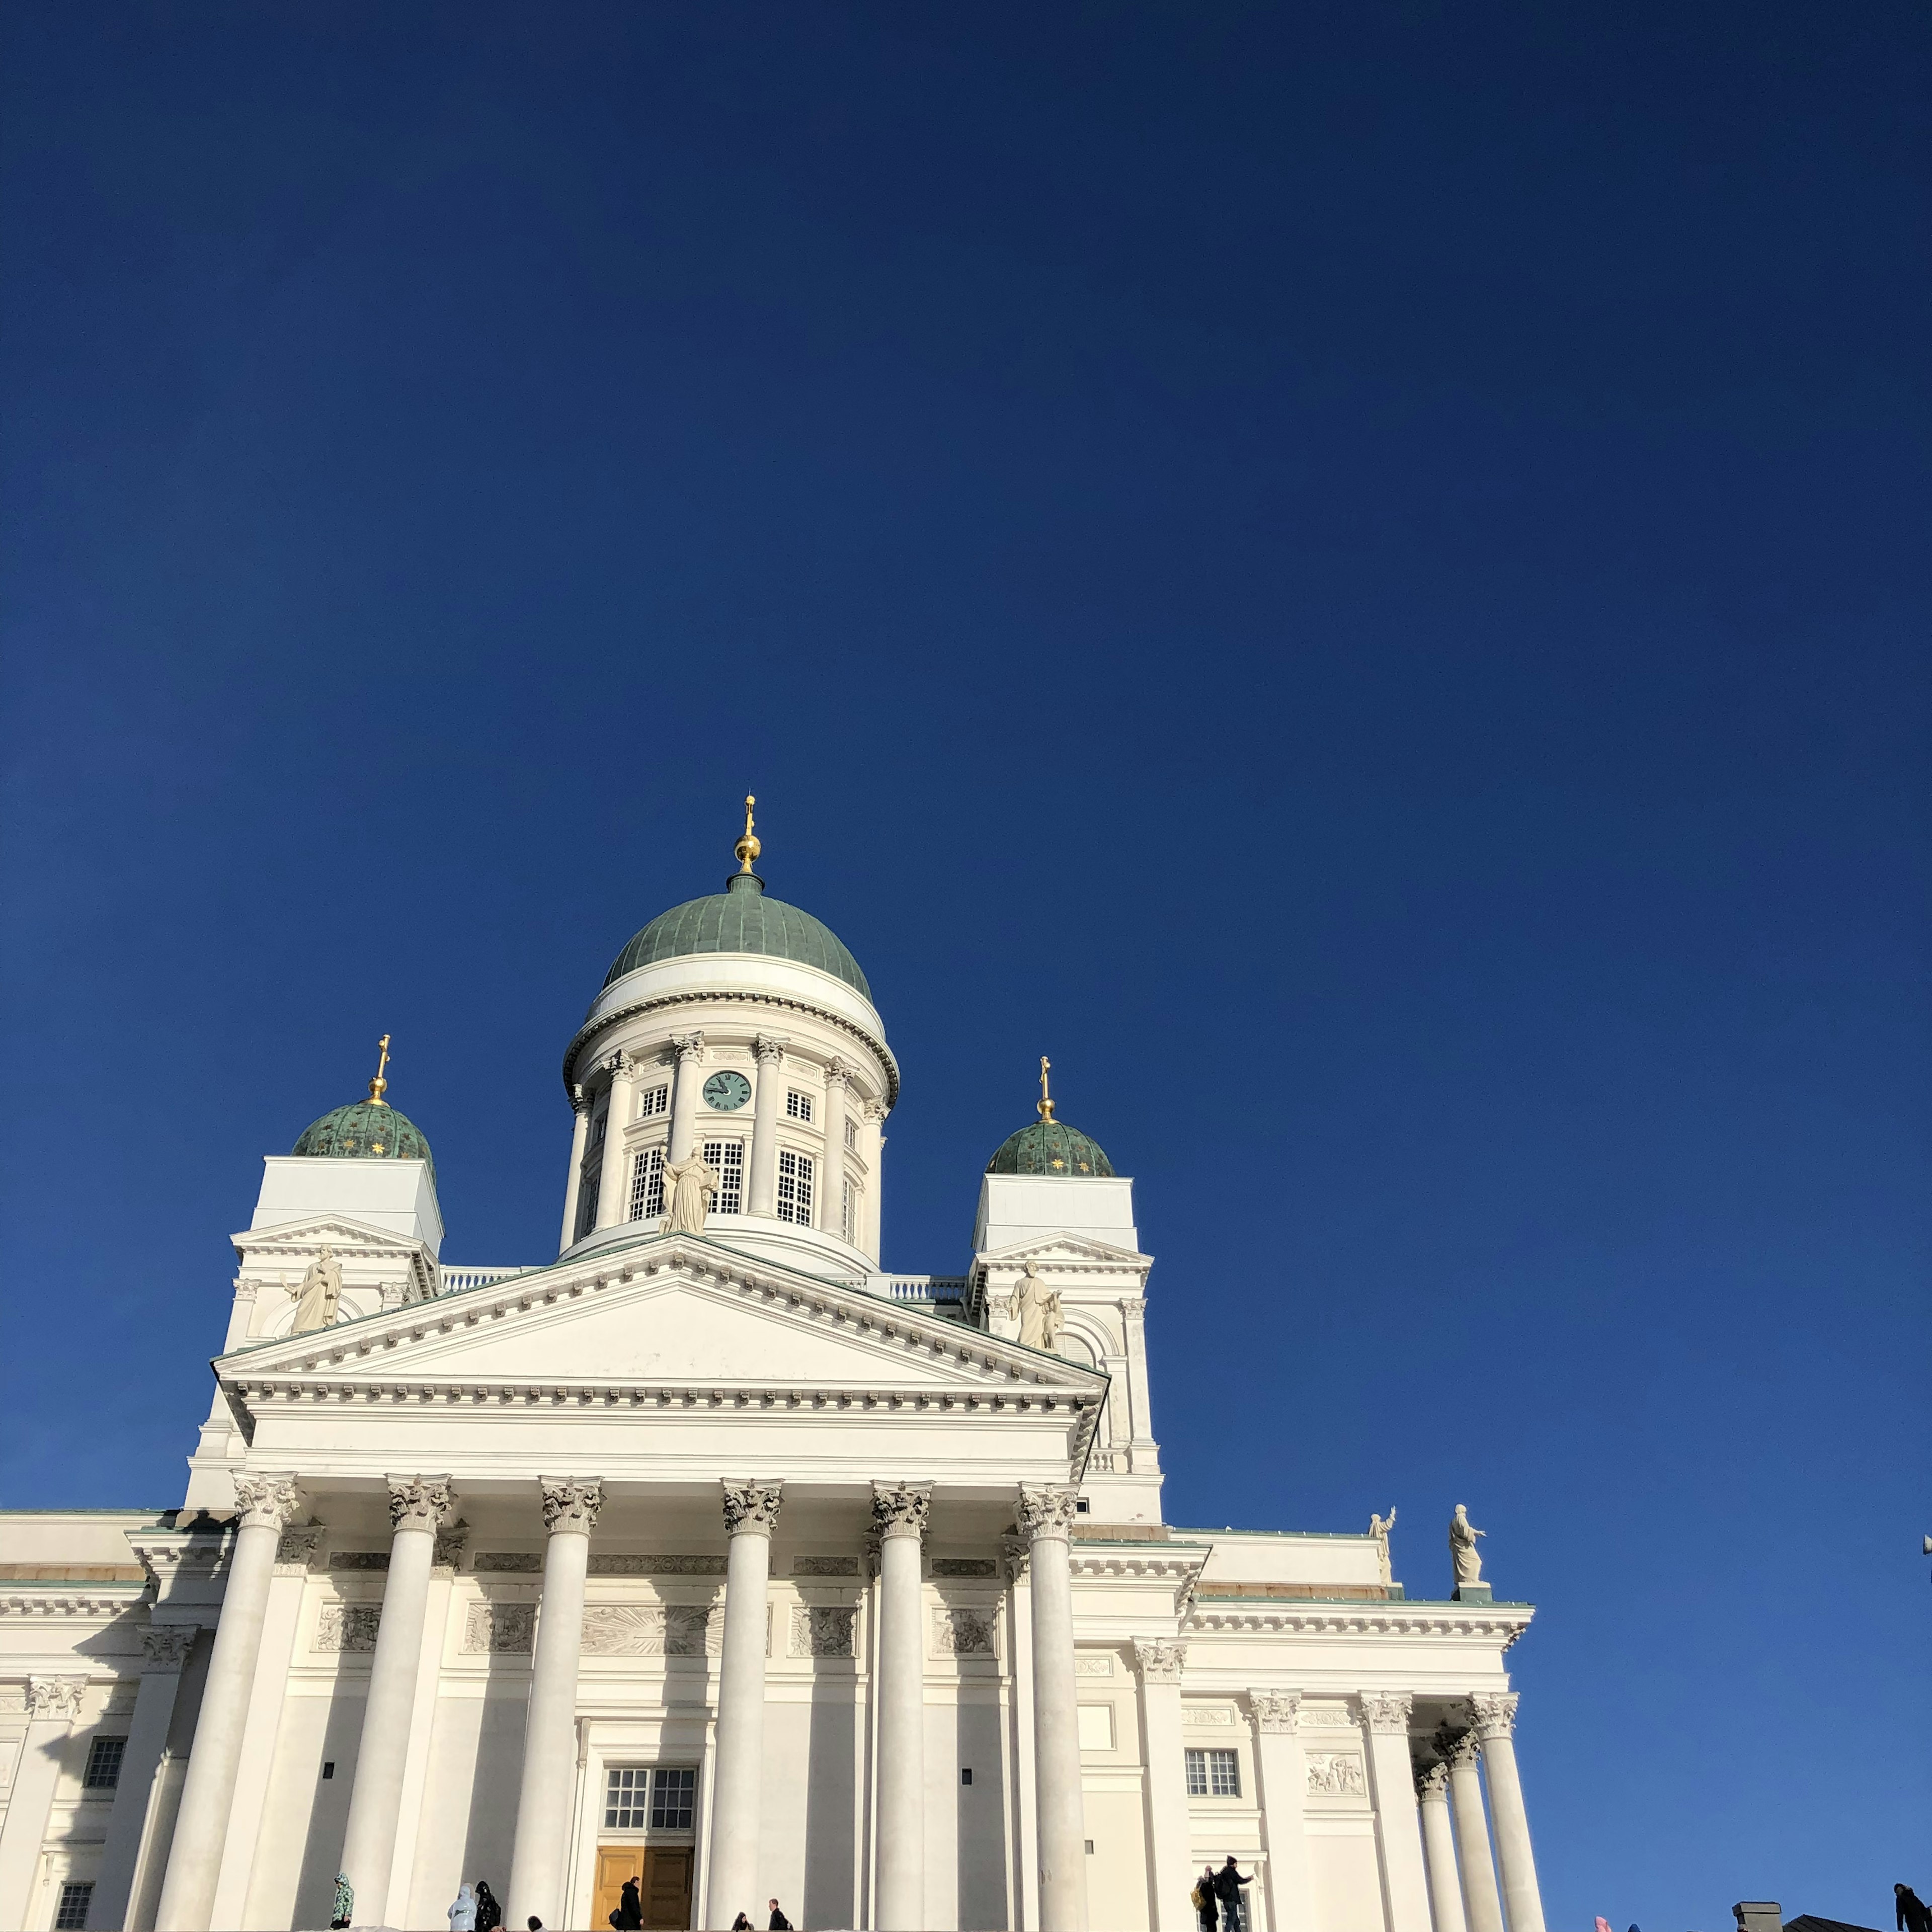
pixel 378 1086
pixel 748 847
pixel 1045 1103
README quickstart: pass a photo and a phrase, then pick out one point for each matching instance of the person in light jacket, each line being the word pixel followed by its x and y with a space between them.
pixel 462 1913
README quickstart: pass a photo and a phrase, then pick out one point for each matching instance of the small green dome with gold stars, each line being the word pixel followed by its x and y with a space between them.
pixel 1051 1148
pixel 366 1130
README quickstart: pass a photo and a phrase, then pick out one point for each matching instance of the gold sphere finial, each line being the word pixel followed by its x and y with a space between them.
pixel 748 847
pixel 1043 1106
pixel 378 1086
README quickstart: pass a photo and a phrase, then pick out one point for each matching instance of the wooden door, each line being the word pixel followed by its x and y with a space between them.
pixel 615 1864
pixel 667 1887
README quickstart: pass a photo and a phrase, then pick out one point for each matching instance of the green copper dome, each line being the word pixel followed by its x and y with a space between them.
pixel 366 1130
pixel 1051 1148
pixel 741 919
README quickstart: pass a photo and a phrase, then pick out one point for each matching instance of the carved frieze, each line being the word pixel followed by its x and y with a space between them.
pixel 1209 1715
pixel 825 1566
pixel 646 1630
pixel 55 1696
pixel 359 1559
pixel 511 1562
pixel 1337 1775
pixel 451 1542
pixel 964 1566
pixel 964 1633
pixel 501 1630
pixel 1093 1663
pixel 347 1628
pixel 819 1630
pixel 295 1553
pixel 618 1564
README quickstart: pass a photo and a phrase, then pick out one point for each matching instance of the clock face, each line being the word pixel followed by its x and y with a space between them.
pixel 727 1091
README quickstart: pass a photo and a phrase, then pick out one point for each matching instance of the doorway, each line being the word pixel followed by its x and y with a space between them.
pixel 663 1873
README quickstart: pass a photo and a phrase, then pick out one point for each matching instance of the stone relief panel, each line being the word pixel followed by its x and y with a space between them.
pixel 645 1630
pixel 359 1559
pixel 511 1562
pixel 656 1566
pixel 499 1630
pixel 960 1633
pixel 1222 1714
pixel 822 1631
pixel 825 1566
pixel 964 1566
pixel 1336 1774
pixel 1093 1663
pixel 347 1627
pixel 1327 1718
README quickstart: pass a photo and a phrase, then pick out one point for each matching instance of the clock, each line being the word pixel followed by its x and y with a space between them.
pixel 726 1092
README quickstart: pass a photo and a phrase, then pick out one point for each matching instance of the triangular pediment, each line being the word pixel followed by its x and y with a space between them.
pixel 342 1232
pixel 667 1313
pixel 1074 1250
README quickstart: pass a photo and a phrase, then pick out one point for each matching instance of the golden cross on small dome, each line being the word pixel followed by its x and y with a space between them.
pixel 378 1086
pixel 748 847
pixel 1044 1105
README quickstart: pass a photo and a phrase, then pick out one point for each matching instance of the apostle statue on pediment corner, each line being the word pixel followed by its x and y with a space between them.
pixel 320 1297
pixel 690 1188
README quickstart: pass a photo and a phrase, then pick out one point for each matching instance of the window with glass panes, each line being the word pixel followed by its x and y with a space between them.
pixel 653 1102
pixel 104 1764
pixel 1213 1774
pixel 726 1158
pixel 795 1187
pixel 647 1185
pixel 70 1915
pixel 851 1134
pixel 654 1797
pixel 586 1199
pixel 798 1107
pixel 847 1211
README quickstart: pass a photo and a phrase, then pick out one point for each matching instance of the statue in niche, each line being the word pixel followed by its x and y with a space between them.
pixel 1463 1535
pixel 690 1188
pixel 1038 1307
pixel 320 1297
pixel 1379 1527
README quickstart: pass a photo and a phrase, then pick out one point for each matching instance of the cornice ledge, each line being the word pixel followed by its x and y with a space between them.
pixel 1398 1620
pixel 612 1394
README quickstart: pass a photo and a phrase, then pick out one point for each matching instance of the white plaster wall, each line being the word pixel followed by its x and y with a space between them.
pixel 397 1196
pixel 1288 1559
pixel 1029 1207
pixel 737 972
pixel 1347 1880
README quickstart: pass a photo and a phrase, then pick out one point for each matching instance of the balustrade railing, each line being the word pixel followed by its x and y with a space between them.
pixel 925 1287
pixel 455 1279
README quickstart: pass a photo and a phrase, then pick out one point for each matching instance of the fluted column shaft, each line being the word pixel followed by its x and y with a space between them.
pixel 573 1185
pixel 872 1151
pixel 417 1508
pixel 737 1783
pixel 689 1048
pixel 201 1825
pixel 1046 1518
pixel 1438 1841
pixel 1482 1904
pixel 1522 1897
pixel 538 1853
pixel 831 1216
pixel 613 1186
pixel 899 1511
pixel 764 1179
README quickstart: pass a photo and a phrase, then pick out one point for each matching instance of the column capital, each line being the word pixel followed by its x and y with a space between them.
pixel 579 1101
pixel 167 1649
pixel 840 1071
pixel 770 1048
pixel 419 1502
pixel 1046 1510
pixel 295 1553
pixel 571 1503
pixel 1276 1710
pixel 1158 1660
pixel 1387 1711
pixel 687 1046
pixel 55 1696
pixel 266 1502
pixel 1016 1554
pixel 1432 1784
pixel 1460 1749
pixel 621 1066
pixel 751 1509
pixel 1494 1713
pixel 452 1540
pixel 901 1509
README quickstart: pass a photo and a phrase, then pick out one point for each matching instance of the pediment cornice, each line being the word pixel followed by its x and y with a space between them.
pixel 1068 1253
pixel 347 1236
pixel 1495 1623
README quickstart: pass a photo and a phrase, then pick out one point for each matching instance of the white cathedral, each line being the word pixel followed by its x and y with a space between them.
pixel 712 1555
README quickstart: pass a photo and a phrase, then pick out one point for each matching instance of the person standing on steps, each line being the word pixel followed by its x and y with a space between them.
pixel 462 1912
pixel 1228 1884
pixel 343 1909
pixel 629 1915
pixel 1205 1904
pixel 489 1913
pixel 780 1923
pixel 1914 1914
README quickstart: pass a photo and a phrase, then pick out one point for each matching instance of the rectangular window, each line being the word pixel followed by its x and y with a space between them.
pixel 726 1158
pixel 661 1797
pixel 1213 1774
pixel 851 1134
pixel 597 1126
pixel 653 1102
pixel 586 1202
pixel 70 1915
pixel 798 1107
pixel 647 1185
pixel 673 1793
pixel 848 1216
pixel 795 1187
pixel 104 1764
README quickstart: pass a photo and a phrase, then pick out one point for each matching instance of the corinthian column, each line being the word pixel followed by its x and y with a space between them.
pixel 831 1179
pixel 265 1503
pixel 573 1185
pixel 1160 1663
pixel 689 1049
pixel 1283 1797
pixel 899 1511
pixel 418 1506
pixel 1438 1839
pixel 53 1708
pixel 1405 1888
pixel 1495 1715
pixel 537 1854
pixel 1481 1903
pixel 751 1515
pixel 1046 1519
pixel 770 1051
pixel 163 1652
pixel 613 1191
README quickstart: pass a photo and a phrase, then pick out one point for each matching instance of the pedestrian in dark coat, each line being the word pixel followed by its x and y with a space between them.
pixel 1205 1902
pixel 629 1916
pixel 1228 1884
pixel 780 1923
pixel 489 1913
pixel 1914 1914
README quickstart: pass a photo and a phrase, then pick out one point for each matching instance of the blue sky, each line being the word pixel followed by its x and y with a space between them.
pixel 1357 574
